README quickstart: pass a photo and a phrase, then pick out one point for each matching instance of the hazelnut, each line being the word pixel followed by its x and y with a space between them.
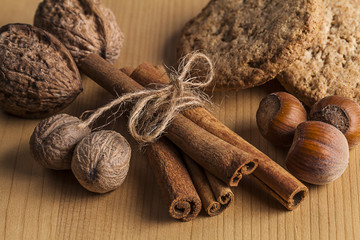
pixel 38 76
pixel 84 26
pixel 341 112
pixel 53 140
pixel 319 153
pixel 278 116
pixel 101 161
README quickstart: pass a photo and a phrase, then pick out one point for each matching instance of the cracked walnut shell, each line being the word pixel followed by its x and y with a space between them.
pixel 84 26
pixel 38 76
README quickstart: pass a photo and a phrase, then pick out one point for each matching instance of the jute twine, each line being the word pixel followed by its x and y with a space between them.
pixel 153 110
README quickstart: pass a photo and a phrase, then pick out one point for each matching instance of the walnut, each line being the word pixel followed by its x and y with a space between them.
pixel 38 76
pixel 53 140
pixel 84 26
pixel 101 161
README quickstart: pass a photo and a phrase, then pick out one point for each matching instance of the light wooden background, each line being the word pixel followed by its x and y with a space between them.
pixel 36 203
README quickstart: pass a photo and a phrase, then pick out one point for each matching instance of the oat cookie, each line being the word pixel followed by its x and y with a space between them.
pixel 252 41
pixel 331 66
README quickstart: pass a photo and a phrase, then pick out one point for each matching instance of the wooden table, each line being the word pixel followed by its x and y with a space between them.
pixel 36 203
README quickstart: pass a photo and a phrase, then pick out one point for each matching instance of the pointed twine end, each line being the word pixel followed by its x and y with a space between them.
pixel 155 109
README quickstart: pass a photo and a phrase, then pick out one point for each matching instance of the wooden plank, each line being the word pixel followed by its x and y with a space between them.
pixel 37 203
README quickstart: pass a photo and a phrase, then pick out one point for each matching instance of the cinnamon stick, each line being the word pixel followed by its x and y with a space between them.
pixel 221 191
pixel 128 70
pixel 215 195
pixel 283 186
pixel 223 160
pixel 211 206
pixel 174 180
pixel 172 177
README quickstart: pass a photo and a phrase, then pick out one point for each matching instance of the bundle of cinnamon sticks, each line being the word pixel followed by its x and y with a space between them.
pixel 214 194
pixel 211 157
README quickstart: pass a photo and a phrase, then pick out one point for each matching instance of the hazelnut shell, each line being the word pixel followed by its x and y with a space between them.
pixel 53 140
pixel 101 161
pixel 278 116
pixel 341 112
pixel 319 153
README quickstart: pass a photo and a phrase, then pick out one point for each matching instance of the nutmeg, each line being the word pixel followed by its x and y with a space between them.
pixel 319 153
pixel 278 116
pixel 101 161
pixel 84 26
pixel 341 112
pixel 53 140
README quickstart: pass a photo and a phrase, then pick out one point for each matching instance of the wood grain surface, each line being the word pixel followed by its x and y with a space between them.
pixel 36 203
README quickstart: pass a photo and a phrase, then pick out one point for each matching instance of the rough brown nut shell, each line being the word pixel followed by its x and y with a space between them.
pixel 38 76
pixel 319 153
pixel 341 112
pixel 84 26
pixel 101 161
pixel 53 140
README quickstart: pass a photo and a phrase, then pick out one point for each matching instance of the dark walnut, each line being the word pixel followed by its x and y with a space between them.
pixel 54 139
pixel 84 26
pixel 101 161
pixel 38 76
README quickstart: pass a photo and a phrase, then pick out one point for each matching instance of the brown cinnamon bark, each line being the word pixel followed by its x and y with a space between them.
pixel 222 192
pixel 172 177
pixel 215 195
pixel 211 206
pixel 128 70
pixel 174 180
pixel 283 186
pixel 223 160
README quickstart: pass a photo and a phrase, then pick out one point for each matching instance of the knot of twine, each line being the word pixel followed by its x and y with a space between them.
pixel 156 108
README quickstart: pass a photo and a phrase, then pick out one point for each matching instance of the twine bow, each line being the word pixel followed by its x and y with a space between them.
pixel 155 108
